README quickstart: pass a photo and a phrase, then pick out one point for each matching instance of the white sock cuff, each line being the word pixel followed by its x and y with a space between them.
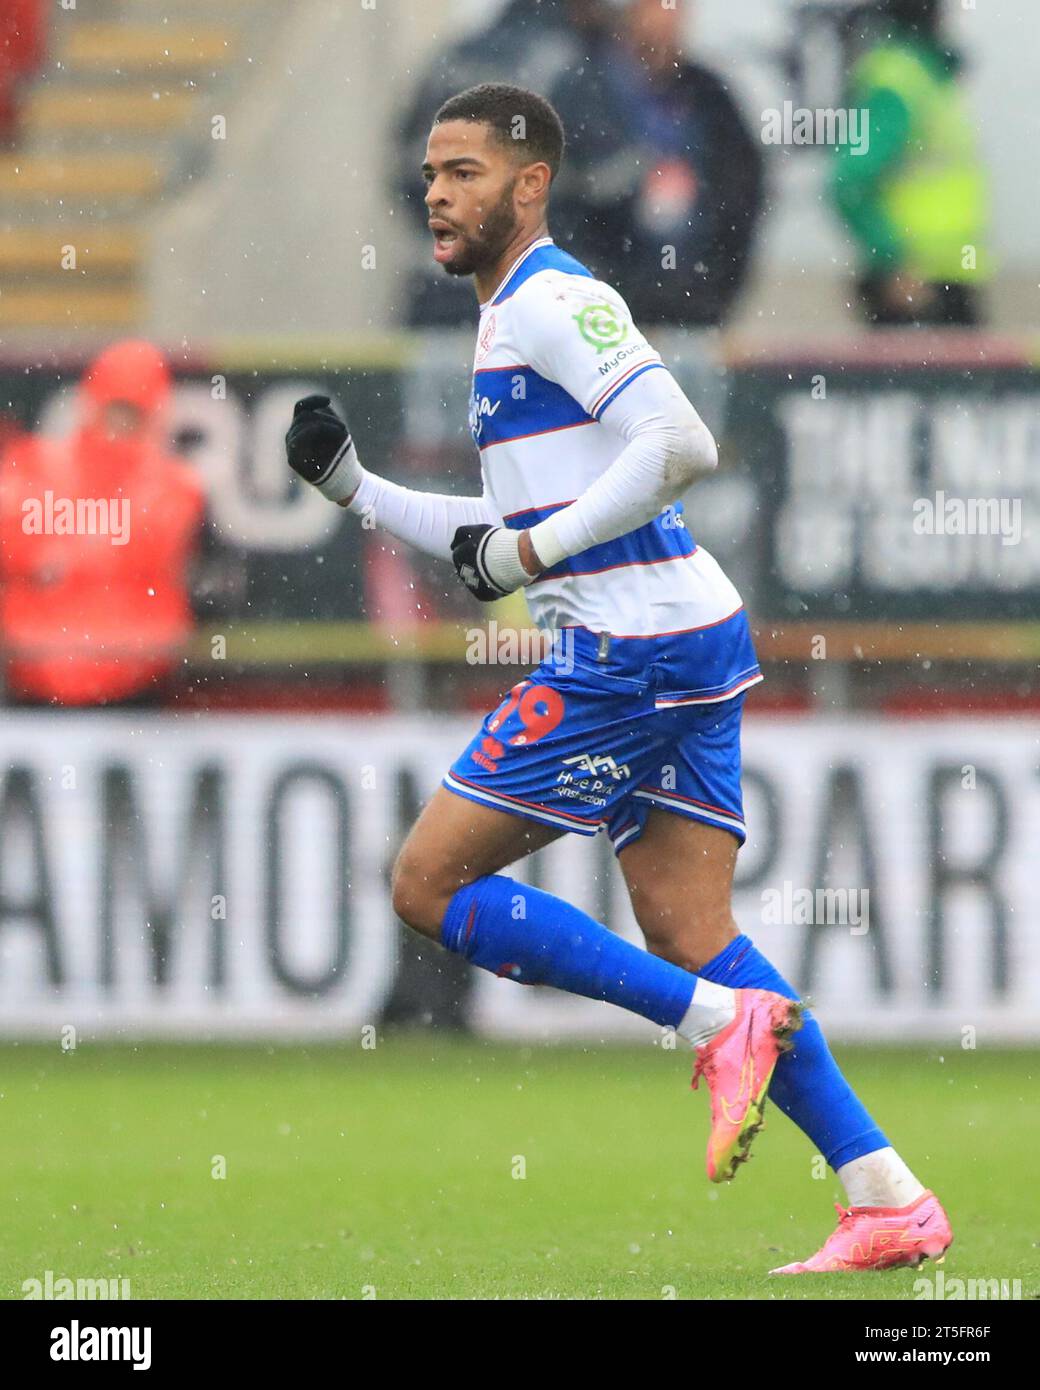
pixel 711 1008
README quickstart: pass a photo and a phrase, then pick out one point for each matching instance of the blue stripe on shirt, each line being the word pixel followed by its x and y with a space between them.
pixel 664 538
pixel 513 403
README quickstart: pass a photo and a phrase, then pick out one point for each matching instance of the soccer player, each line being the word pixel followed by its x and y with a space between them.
pixel 632 724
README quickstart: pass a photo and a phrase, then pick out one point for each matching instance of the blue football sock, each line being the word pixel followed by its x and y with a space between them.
pixel 526 935
pixel 807 1084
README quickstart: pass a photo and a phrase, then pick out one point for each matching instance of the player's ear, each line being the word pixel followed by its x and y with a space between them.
pixel 533 183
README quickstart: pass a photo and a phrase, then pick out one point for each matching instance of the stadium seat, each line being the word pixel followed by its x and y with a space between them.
pixel 110 124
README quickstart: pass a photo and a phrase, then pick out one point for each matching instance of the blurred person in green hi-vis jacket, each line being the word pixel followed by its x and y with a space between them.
pixel 915 199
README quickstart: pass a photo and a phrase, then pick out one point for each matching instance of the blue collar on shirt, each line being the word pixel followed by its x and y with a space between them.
pixel 547 257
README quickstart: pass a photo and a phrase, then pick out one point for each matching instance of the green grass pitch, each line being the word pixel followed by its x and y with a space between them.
pixel 393 1172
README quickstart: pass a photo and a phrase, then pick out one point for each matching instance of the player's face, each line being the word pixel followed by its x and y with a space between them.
pixel 469 193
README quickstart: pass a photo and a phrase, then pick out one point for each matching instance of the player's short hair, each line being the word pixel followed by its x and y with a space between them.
pixel 522 121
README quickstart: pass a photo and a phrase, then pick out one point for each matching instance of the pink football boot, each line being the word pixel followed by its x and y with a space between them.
pixel 738 1065
pixel 881 1238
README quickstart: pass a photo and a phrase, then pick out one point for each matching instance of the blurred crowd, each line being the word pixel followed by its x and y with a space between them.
pixel 101 530
pixel 664 182
pixel 658 153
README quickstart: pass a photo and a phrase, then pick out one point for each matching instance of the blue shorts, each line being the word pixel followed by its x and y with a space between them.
pixel 604 729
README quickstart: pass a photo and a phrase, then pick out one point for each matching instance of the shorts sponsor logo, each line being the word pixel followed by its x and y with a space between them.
pixel 596 765
pixel 577 793
pixel 601 773
pixel 486 755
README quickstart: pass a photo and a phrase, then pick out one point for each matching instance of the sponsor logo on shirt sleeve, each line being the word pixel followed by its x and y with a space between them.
pixel 601 325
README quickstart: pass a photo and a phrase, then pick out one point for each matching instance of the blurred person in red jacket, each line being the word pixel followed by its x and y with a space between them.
pixel 22 47
pixel 97 532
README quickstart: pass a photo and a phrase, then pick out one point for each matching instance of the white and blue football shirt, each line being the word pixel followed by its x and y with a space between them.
pixel 540 415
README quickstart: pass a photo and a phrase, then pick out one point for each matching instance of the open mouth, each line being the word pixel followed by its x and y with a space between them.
pixel 444 240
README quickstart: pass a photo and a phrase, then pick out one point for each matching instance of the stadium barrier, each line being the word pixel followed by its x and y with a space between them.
pixel 228 876
pixel 889 478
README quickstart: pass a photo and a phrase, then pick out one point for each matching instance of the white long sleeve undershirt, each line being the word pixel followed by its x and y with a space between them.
pixel 427 520
pixel 667 446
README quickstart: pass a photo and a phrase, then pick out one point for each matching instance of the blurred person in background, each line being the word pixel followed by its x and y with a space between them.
pixel 21 53
pixel 96 534
pixel 10 430
pixel 536 43
pixel 659 156
pixel 915 200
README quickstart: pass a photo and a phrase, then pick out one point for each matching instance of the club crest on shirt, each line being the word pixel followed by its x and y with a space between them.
pixel 487 337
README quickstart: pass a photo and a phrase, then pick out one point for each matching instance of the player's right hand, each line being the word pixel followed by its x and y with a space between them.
pixel 319 448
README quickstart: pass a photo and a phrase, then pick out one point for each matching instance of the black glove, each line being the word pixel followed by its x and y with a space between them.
pixel 477 550
pixel 319 448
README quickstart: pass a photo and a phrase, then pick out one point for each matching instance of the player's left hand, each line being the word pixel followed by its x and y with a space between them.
pixel 487 560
